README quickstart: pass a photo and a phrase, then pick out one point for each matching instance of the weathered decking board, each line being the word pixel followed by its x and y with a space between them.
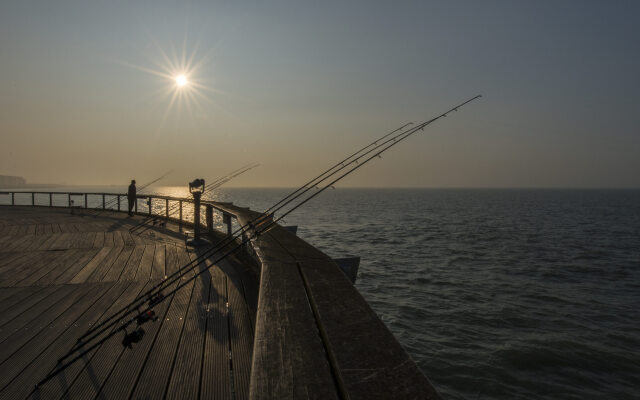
pixel 216 373
pixel 74 270
pixel 185 379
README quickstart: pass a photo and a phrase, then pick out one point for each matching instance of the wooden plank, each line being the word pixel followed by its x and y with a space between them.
pixel 11 278
pixel 153 379
pixel 127 238
pixel 58 387
pixel 115 272
pixel 103 267
pixel 351 329
pixel 16 296
pixel 57 262
pixel 185 379
pixel 99 239
pixel 172 263
pixel 144 270
pixel 89 268
pixel 240 336
pixel 63 241
pixel 129 271
pixel 25 325
pixel 6 259
pixel 53 329
pixel 108 239
pixel 216 372
pixel 31 298
pixel 19 243
pixel 117 238
pixel 86 255
pixel 86 240
pixel 90 380
pixel 158 266
pixel 32 363
pixel 289 361
pixel 61 264
pixel 18 264
pixel 6 293
pixel 46 242
pixel 125 373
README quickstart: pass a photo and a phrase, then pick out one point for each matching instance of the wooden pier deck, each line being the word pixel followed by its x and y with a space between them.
pixel 61 273
pixel 278 319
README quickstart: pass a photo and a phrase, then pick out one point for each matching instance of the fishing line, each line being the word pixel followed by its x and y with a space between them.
pixel 256 227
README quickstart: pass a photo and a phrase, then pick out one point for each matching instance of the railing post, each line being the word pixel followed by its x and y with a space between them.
pixel 13 198
pixel 85 200
pixel 118 202
pixel 196 217
pixel 226 218
pixel 149 204
pixel 209 217
pixel 33 198
pixel 103 202
pixel 180 210
pixel 135 204
pixel 69 196
pixel 50 199
pixel 166 208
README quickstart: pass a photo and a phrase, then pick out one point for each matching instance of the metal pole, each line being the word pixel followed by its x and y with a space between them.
pixel 166 208
pixel 13 198
pixel 69 195
pixel 196 216
pixel 180 211
pixel 149 204
pixel 118 202
pixel 50 199
pixel 33 198
pixel 85 200
pixel 209 217
pixel 103 202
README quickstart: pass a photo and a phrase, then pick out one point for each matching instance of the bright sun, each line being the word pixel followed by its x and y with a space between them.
pixel 181 80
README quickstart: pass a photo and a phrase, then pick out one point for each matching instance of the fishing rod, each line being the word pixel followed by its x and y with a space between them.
pixel 154 300
pixel 235 235
pixel 114 201
pixel 212 186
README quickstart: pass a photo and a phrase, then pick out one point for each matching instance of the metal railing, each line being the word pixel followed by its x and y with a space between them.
pixel 169 208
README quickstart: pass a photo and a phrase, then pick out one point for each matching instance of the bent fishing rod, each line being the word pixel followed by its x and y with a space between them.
pixel 256 229
pixel 114 201
pixel 235 235
pixel 211 187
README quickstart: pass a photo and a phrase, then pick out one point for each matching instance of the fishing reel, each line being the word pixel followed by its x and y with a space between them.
pixel 156 299
pixel 146 317
pixel 132 337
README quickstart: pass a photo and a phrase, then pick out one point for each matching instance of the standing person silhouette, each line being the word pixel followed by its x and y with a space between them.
pixel 131 196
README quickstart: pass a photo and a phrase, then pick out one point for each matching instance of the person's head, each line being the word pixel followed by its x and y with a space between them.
pixel 133 181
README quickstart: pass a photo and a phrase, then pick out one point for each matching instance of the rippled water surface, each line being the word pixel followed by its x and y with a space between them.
pixel 494 293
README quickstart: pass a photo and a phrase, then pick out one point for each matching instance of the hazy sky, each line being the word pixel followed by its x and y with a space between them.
pixel 296 86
